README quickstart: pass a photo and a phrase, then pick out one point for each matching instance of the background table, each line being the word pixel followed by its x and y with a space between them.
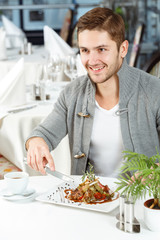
pixel 33 63
pixel 36 220
pixel 16 127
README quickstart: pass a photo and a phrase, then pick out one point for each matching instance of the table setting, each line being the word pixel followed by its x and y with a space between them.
pixel 46 213
pixel 53 55
pixel 13 91
pixel 15 37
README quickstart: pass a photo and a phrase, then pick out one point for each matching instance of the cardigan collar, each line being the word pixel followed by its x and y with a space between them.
pixel 128 81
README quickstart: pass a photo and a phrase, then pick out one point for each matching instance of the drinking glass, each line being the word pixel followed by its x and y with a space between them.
pixel 70 67
pixel 54 67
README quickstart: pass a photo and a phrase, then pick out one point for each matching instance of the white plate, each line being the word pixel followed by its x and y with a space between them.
pixel 18 197
pixel 56 197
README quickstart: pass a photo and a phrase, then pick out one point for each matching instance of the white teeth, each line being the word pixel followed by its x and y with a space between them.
pixel 95 69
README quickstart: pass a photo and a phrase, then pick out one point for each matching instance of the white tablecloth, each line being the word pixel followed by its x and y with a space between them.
pixel 38 221
pixel 14 130
pixel 33 63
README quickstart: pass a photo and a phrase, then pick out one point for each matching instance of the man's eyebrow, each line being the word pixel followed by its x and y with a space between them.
pixel 100 46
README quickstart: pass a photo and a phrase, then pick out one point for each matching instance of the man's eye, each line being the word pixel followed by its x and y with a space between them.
pixel 84 50
pixel 102 49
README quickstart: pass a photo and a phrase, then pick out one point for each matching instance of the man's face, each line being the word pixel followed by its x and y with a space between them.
pixel 99 55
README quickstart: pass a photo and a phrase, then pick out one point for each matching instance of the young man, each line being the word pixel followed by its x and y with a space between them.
pixel 114 108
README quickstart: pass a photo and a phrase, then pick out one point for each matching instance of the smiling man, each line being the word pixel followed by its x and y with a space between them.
pixel 114 108
pixel 96 49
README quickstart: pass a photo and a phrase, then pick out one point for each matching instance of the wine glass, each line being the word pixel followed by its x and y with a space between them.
pixel 54 67
pixel 70 67
pixel 49 78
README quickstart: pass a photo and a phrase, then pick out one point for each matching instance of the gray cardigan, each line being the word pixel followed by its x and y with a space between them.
pixel 139 110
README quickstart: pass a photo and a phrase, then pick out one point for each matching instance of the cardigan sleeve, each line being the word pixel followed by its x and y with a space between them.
pixel 54 128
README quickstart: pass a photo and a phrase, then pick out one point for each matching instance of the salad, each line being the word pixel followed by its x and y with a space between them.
pixel 90 191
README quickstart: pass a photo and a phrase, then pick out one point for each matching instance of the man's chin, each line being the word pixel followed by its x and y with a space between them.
pixel 95 79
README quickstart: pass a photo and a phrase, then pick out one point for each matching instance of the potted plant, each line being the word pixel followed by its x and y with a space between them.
pixel 144 182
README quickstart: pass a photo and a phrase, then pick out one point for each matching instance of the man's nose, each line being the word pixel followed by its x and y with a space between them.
pixel 93 58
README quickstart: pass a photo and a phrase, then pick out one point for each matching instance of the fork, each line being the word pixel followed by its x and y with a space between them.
pixel 62 197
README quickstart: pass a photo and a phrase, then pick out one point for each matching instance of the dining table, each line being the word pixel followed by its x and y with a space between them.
pixel 32 218
pixel 33 63
pixel 16 126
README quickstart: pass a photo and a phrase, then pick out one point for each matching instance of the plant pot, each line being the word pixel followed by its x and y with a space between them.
pixel 151 216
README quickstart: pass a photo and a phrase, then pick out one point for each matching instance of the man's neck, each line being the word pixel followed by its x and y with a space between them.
pixel 107 94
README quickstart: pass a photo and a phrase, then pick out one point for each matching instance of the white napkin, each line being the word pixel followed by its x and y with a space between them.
pixel 54 44
pixel 3 113
pixel 3 54
pixel 80 68
pixel 12 87
pixel 15 36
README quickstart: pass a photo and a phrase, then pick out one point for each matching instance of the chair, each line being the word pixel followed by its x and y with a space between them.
pixel 153 66
pixel 73 37
pixel 136 45
pixel 65 30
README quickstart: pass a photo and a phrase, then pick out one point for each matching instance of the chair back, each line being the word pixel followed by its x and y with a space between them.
pixel 65 30
pixel 153 65
pixel 136 45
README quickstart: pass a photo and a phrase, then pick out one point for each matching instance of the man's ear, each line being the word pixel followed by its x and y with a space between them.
pixel 124 48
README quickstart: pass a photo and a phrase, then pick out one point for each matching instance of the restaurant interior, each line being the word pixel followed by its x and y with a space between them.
pixel 39 57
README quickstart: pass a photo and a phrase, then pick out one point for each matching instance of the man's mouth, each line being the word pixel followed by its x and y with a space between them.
pixel 96 69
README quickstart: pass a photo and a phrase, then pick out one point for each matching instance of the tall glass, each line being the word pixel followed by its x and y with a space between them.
pixel 70 67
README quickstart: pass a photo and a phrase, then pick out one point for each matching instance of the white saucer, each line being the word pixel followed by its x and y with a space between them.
pixel 17 197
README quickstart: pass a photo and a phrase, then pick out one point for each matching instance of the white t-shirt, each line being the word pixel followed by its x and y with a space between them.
pixel 106 142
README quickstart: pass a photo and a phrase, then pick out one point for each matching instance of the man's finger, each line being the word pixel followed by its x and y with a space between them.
pixel 50 161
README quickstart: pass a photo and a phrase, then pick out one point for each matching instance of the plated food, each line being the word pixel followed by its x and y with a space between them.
pixel 90 191
pixel 56 195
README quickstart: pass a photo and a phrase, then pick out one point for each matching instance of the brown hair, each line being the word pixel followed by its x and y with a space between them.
pixel 103 19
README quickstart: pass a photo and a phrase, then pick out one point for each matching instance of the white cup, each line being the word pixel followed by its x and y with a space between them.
pixel 16 182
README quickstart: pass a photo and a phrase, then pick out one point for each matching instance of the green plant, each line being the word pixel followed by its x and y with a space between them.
pixel 119 10
pixel 89 174
pixel 145 177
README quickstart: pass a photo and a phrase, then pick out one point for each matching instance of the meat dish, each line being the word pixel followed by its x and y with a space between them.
pixel 90 191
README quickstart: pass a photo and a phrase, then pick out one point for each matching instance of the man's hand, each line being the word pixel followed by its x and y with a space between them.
pixel 136 175
pixel 38 154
